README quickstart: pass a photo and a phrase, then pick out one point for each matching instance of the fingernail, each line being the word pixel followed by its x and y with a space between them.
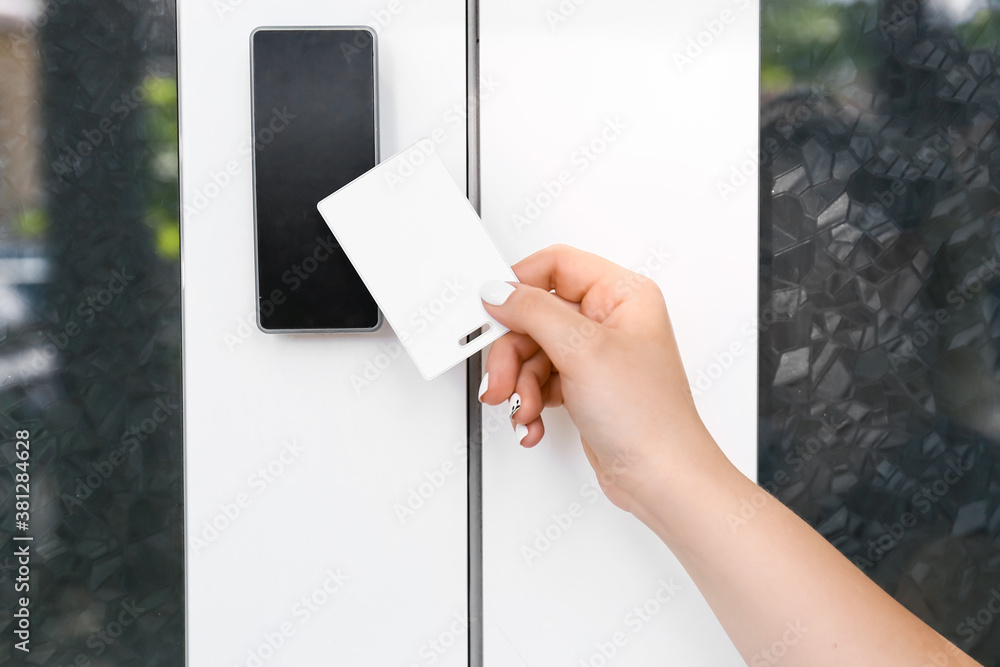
pixel 520 432
pixel 484 385
pixel 514 403
pixel 495 292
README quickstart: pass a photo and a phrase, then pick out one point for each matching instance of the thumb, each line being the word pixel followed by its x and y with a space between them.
pixel 558 328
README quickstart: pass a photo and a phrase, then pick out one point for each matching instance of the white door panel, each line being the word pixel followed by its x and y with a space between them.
pixel 609 131
pixel 301 450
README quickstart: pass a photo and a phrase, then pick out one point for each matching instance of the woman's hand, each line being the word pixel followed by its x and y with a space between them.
pixel 601 345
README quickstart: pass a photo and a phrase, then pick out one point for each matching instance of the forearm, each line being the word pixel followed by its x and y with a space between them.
pixel 779 588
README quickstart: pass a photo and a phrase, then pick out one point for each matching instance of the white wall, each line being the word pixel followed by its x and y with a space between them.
pixel 562 73
pixel 364 448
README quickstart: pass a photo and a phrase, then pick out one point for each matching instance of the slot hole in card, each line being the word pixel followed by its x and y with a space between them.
pixel 474 334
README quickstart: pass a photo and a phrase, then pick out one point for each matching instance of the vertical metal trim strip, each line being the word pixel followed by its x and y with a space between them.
pixel 475 363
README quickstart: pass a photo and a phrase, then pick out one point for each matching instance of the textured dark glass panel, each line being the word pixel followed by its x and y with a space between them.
pixel 90 338
pixel 880 294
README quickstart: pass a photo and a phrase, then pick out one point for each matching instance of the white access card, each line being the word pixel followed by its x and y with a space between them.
pixel 422 252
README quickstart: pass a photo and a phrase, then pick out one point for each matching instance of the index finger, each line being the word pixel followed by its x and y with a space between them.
pixel 571 272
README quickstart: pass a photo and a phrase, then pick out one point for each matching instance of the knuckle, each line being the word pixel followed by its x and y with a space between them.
pixel 528 304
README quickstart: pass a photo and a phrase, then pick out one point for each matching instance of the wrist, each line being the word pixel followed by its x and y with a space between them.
pixel 687 483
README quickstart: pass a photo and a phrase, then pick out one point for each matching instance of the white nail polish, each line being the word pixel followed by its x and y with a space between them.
pixel 495 292
pixel 520 431
pixel 484 385
pixel 514 404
